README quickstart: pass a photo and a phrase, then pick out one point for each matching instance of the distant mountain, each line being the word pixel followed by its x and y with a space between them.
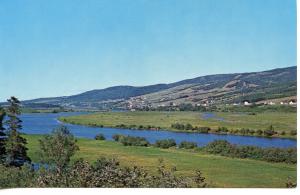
pixel 219 88
pixel 227 88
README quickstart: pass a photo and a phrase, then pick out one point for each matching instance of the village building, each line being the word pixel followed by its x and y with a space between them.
pixel 292 103
pixel 247 103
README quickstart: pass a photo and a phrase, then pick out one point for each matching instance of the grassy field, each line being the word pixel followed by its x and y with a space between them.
pixel 280 121
pixel 219 171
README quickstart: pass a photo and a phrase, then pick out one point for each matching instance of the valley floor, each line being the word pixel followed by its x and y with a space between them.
pixel 219 171
pixel 281 121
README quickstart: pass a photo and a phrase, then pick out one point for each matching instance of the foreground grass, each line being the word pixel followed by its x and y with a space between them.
pixel 219 171
pixel 279 120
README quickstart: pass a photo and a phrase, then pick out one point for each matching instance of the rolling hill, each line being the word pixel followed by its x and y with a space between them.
pixel 213 89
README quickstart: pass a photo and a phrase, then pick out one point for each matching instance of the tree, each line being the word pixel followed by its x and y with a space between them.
pixel 99 136
pixel 16 151
pixel 58 148
pixel 2 136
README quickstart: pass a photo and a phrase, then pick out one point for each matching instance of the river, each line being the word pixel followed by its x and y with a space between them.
pixel 44 123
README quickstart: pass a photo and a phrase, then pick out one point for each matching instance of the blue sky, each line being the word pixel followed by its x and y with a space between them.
pixel 64 47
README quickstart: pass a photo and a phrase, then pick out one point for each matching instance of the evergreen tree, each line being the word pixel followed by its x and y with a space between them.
pixel 2 136
pixel 16 151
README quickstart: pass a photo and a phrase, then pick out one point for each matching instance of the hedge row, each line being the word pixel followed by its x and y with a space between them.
pixel 220 147
pixel 224 130
pixel 139 127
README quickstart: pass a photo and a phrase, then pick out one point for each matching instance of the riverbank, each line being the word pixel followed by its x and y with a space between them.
pixel 219 171
pixel 283 124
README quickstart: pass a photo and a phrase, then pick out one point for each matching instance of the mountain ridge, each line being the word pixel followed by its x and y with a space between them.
pixel 208 84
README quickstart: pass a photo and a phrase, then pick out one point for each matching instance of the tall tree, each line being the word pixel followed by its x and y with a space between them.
pixel 16 151
pixel 2 136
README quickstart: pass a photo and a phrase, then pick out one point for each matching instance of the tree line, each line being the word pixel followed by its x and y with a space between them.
pixel 268 132
pixel 220 147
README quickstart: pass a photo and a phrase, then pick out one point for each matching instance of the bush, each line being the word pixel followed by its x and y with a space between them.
pixel 165 143
pixel 99 136
pixel 131 140
pixel 203 129
pixel 188 127
pixel 293 132
pixel 269 133
pixel 224 148
pixel 221 147
pixel 116 137
pixel 178 126
pixel 244 131
pixel 251 131
pixel 187 145
pixel 122 126
pixel 280 155
pixel 259 132
pixel 222 130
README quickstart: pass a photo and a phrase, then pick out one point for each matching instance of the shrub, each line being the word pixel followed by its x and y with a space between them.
pixel 293 132
pixel 165 143
pixel 99 136
pixel 224 148
pixel 131 140
pixel 187 145
pixel 122 126
pixel 178 126
pixel 244 131
pixel 252 131
pixel 188 127
pixel 222 129
pixel 259 132
pixel 116 137
pixel 132 127
pixel 280 155
pixel 269 133
pixel 203 129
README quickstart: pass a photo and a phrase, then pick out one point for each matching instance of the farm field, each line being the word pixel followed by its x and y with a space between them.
pixel 281 121
pixel 219 171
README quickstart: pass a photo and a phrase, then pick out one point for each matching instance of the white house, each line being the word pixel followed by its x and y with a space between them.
pixel 292 103
pixel 246 103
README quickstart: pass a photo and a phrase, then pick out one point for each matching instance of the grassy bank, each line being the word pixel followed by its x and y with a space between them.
pixel 279 120
pixel 219 171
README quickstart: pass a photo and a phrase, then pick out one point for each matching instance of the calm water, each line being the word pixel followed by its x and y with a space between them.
pixel 44 123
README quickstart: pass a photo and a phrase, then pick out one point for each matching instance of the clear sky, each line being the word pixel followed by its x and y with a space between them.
pixel 64 47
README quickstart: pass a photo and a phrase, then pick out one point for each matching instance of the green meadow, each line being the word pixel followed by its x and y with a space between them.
pixel 219 171
pixel 281 121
